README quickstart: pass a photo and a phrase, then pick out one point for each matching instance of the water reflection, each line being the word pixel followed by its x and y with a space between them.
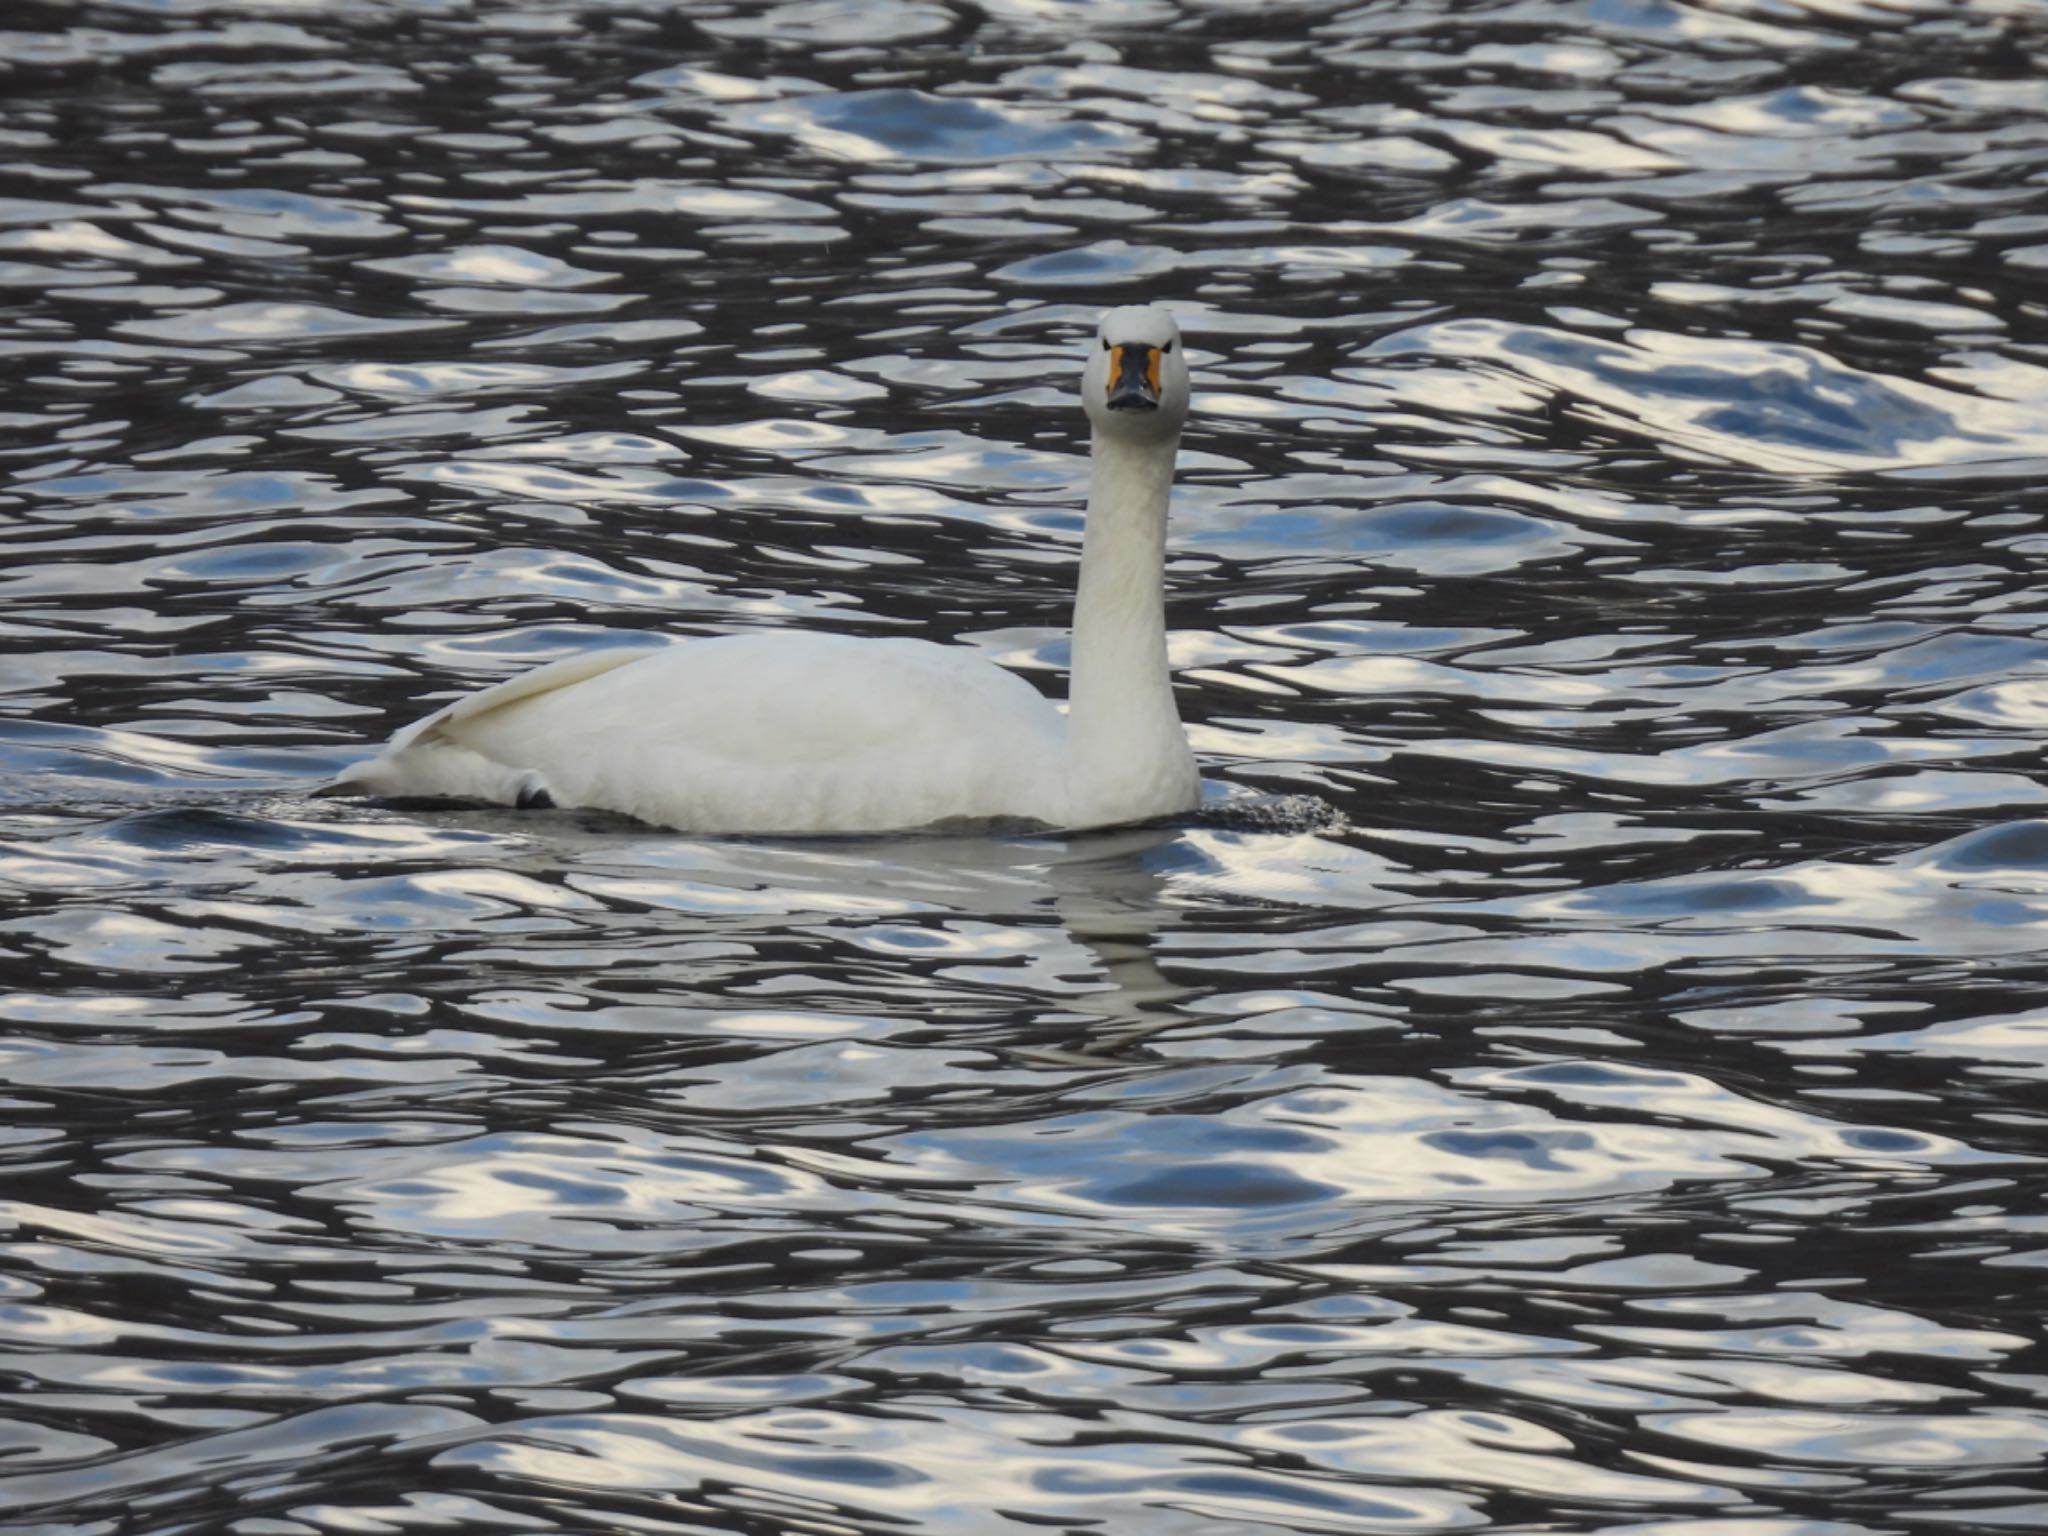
pixel 1597 1087
pixel 1770 407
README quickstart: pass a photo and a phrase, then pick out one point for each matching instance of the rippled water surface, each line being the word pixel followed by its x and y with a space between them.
pixel 1599 1086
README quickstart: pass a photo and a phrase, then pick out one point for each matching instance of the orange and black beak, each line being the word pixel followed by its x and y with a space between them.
pixel 1134 377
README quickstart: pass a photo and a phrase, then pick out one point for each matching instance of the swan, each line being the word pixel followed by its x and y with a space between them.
pixel 794 732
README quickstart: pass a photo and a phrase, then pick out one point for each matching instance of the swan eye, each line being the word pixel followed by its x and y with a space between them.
pixel 1105 344
pixel 1167 350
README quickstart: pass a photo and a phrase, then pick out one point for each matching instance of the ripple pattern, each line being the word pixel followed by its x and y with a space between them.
pixel 1581 1072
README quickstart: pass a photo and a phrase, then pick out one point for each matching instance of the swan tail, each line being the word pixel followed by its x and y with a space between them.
pixel 439 769
pixel 428 760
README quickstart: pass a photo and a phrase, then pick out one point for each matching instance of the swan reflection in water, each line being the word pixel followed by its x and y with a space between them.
pixel 1052 940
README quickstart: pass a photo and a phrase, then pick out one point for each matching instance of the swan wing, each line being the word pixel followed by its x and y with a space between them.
pixel 425 759
pixel 565 673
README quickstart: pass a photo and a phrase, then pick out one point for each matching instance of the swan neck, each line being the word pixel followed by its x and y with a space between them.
pixel 1123 731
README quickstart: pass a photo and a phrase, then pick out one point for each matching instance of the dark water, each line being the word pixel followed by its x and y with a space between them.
pixel 1613 491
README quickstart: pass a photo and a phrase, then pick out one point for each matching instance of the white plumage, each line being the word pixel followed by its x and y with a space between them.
pixel 796 732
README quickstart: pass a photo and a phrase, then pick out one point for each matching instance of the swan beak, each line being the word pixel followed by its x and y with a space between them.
pixel 1134 377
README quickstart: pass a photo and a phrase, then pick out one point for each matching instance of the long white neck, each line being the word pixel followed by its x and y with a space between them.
pixel 1127 756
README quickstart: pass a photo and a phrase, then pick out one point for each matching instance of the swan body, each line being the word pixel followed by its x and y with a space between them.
pixel 798 732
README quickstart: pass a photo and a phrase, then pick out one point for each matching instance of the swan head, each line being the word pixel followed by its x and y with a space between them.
pixel 1136 382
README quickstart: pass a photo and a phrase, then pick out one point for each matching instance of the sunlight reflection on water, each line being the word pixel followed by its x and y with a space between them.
pixel 1578 1069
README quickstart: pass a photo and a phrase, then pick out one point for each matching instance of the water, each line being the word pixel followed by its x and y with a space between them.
pixel 1605 1096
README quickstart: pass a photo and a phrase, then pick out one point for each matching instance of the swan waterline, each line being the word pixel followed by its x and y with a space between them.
pixel 789 732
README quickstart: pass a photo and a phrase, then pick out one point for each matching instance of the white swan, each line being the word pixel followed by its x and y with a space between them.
pixel 790 732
